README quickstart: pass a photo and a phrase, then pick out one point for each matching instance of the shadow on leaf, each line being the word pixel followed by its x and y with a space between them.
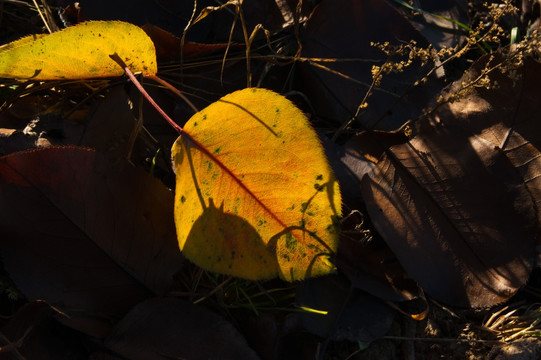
pixel 228 244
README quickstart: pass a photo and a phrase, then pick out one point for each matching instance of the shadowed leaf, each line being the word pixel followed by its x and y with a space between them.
pixel 168 46
pixel 349 167
pixel 456 214
pixel 344 30
pixel 169 328
pixel 74 226
pixel 351 314
pixel 507 117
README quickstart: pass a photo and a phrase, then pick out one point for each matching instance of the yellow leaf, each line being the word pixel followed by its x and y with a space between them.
pixel 79 52
pixel 255 196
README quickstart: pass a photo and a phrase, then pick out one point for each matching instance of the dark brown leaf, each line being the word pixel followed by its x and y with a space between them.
pixel 351 314
pixel 456 214
pixel 344 29
pixel 349 167
pixel 374 268
pixel 170 328
pixel 506 116
pixel 89 236
pixel 369 265
pixel 111 126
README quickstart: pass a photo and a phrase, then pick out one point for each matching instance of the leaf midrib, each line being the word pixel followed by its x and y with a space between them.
pixel 223 166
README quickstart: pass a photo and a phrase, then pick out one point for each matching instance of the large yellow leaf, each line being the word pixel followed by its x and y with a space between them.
pixel 79 52
pixel 255 195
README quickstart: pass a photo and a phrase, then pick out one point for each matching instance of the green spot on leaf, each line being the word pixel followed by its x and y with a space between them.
pixel 291 242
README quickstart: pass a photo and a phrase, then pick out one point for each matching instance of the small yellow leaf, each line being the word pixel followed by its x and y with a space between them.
pixel 79 52
pixel 255 195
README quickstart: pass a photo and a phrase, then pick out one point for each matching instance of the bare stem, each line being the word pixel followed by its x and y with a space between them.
pixel 139 87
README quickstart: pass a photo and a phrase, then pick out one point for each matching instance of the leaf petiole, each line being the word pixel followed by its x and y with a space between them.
pixel 139 87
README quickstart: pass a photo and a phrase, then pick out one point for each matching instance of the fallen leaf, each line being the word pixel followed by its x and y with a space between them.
pixel 89 236
pixel 168 46
pixel 342 31
pixel 350 315
pixel 456 214
pixel 505 116
pixel 372 267
pixel 255 195
pixel 356 158
pixel 79 52
pixel 349 168
pixel 364 258
pixel 174 328
pixel 275 336
pixel 111 127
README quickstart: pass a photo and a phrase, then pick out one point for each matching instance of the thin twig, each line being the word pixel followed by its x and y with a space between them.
pixel 42 17
pixel 49 16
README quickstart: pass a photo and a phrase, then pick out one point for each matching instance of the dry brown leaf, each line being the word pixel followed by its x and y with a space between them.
pixel 457 215
pixel 506 116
